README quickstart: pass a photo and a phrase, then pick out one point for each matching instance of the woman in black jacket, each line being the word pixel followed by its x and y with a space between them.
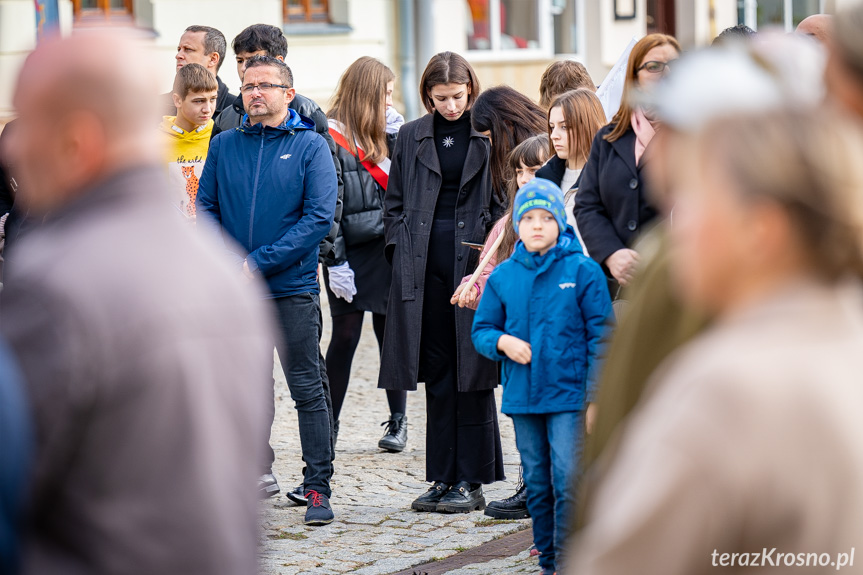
pixel 439 196
pixel 363 124
pixel 613 204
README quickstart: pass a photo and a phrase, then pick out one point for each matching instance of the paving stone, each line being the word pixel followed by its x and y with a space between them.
pixel 375 531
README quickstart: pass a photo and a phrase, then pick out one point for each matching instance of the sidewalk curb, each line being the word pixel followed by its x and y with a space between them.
pixel 507 546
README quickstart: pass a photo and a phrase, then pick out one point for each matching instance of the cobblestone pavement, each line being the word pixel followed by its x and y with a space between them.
pixel 375 531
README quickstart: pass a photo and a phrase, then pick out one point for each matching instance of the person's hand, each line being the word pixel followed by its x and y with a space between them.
pixel 590 417
pixel 516 349
pixel 464 298
pixel 622 265
pixel 342 282
pixel 247 273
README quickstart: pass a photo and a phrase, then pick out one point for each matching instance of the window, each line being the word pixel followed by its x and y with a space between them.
pixel 568 31
pixel 102 10
pixel 510 27
pixel 298 11
pixel 786 14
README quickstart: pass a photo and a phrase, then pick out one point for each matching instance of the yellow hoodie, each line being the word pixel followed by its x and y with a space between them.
pixel 186 153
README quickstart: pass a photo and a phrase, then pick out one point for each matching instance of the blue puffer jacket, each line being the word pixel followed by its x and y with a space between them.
pixel 273 190
pixel 558 303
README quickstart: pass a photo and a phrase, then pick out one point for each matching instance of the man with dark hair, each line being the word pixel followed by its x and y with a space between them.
pixel 272 187
pixel 205 46
pixel 738 33
pixel 266 40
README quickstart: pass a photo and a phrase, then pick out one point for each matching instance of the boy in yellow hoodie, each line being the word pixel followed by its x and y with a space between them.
pixel 189 132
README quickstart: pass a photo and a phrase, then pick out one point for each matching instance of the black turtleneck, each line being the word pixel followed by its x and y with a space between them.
pixel 451 140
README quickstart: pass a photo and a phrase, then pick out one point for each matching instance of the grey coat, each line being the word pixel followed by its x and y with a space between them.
pixel 409 206
pixel 147 365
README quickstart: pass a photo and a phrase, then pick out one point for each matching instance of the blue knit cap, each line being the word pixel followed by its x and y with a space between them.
pixel 542 194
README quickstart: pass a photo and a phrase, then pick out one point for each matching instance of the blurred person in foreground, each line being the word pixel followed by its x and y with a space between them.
pixel 747 440
pixel 818 27
pixel 15 458
pixel 131 336
pixel 844 71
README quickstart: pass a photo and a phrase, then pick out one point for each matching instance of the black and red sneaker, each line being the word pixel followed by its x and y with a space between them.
pixel 318 510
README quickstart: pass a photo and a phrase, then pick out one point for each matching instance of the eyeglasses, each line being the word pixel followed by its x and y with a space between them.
pixel 655 67
pixel 265 87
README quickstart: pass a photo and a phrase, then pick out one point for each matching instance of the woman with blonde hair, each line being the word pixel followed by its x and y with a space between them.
pixel 750 437
pixel 364 125
pixel 614 203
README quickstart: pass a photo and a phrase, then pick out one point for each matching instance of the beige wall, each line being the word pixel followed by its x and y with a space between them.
pixel 317 61
pixel 17 38
pixel 523 76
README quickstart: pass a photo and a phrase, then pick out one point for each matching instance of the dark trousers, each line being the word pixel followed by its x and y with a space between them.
pixel 347 330
pixel 462 434
pixel 299 323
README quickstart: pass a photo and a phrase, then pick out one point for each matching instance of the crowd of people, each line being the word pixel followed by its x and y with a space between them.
pixel 671 299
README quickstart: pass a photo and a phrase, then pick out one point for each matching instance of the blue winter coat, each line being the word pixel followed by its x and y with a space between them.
pixel 273 191
pixel 558 303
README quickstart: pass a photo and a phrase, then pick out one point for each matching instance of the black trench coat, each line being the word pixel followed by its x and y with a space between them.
pixel 409 205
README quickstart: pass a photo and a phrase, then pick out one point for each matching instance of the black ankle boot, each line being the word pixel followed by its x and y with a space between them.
pixel 462 498
pixel 513 507
pixel 396 436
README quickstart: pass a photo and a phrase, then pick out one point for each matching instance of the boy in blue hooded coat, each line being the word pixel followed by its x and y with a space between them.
pixel 543 315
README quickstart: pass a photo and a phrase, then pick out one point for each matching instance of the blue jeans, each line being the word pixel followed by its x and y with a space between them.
pixel 550 448
pixel 299 324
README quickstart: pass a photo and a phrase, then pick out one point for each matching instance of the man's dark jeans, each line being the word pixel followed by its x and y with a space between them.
pixel 299 323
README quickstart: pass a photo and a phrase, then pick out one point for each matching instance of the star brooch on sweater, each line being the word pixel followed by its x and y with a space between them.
pixel 448 142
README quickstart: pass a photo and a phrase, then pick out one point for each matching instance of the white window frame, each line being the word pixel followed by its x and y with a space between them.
pixel 750 13
pixel 579 53
pixel 496 54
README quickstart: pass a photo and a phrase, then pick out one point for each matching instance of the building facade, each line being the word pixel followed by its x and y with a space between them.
pixel 507 41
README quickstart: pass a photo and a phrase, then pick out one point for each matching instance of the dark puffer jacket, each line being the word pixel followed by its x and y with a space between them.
pixel 363 209
pixel 232 116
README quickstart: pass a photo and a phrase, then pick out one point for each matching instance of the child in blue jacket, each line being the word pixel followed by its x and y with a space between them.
pixel 543 314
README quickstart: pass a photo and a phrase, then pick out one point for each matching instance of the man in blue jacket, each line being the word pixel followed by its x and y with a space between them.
pixel 270 186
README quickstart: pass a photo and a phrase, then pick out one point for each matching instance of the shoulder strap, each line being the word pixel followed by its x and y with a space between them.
pixel 380 172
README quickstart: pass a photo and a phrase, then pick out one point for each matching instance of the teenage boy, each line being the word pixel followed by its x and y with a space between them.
pixel 563 76
pixel 189 132
pixel 543 314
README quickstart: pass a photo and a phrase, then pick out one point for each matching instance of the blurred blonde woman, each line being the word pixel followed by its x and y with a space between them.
pixel 750 437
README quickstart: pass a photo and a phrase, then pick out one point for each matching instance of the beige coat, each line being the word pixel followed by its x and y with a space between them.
pixel 749 439
pixel 146 363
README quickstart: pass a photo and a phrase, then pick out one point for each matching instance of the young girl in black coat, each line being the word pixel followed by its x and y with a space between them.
pixel 439 196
